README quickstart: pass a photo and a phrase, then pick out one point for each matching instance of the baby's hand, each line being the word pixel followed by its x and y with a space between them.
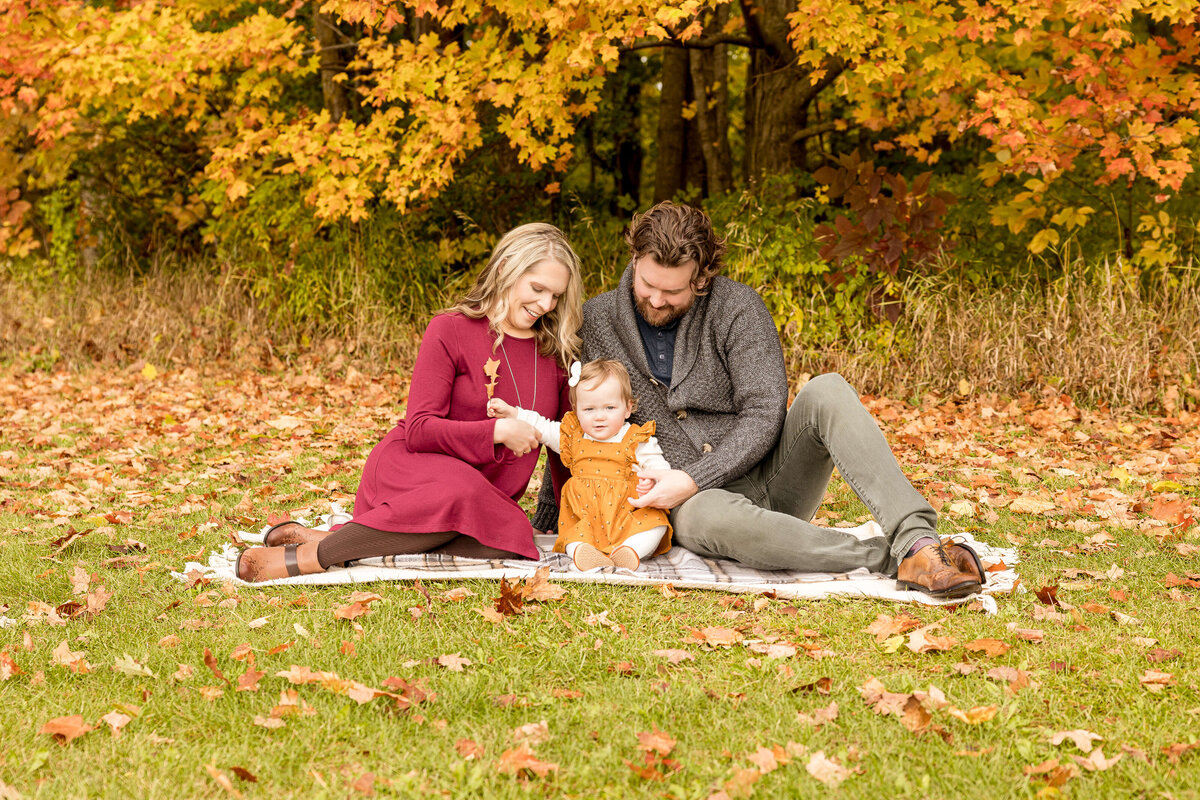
pixel 644 485
pixel 499 409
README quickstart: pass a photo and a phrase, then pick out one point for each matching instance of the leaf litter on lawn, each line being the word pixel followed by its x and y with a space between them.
pixel 110 459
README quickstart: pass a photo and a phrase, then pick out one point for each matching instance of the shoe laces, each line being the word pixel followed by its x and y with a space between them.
pixel 943 555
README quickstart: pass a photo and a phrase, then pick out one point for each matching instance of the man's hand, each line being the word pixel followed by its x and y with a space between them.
pixel 500 410
pixel 671 488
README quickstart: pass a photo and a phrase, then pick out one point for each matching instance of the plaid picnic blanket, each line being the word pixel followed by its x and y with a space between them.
pixel 679 567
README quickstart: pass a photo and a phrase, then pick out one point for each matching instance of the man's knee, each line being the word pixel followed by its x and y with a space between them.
pixel 823 391
pixel 703 514
pixel 829 386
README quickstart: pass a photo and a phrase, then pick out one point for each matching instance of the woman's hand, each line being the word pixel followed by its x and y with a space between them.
pixel 518 436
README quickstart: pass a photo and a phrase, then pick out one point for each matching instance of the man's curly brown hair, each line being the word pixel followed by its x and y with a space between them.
pixel 673 235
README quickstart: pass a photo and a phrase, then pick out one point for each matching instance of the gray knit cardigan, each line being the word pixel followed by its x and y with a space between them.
pixel 724 409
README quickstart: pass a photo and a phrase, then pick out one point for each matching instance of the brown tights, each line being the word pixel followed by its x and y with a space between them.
pixel 353 541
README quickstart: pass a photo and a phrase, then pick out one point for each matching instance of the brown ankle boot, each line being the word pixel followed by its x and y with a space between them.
pixel 291 532
pixel 931 570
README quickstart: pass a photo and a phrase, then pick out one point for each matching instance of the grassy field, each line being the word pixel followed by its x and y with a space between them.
pixel 119 681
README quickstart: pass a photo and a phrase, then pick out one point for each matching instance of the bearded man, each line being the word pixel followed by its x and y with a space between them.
pixel 749 473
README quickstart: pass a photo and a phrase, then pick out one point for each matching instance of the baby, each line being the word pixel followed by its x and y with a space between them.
pixel 597 527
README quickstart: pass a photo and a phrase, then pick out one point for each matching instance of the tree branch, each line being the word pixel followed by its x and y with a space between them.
pixel 814 130
pixel 833 67
pixel 702 43
pixel 752 24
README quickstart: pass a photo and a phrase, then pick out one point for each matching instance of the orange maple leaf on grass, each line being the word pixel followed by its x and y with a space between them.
pixel 974 715
pixel 989 647
pixel 1079 737
pixel 880 699
pixel 116 721
pixel 8 667
pixel 674 656
pixel 655 746
pixel 820 716
pixel 1175 751
pixel 713 637
pixel 539 589
pixel 453 662
pixel 1175 511
pixel 825 770
pixel 469 749
pixel 360 604
pixel 655 741
pixel 248 681
pixel 64 656
pixel 921 641
pixel 532 733
pixel 510 600
pixel 885 626
pixel 210 661
pixel 1155 681
pixel 66 729
pixel 522 761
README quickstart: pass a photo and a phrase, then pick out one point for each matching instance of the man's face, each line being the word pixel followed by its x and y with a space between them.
pixel 662 294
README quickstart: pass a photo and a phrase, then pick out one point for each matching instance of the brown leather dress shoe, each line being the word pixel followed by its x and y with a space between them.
pixel 932 570
pixel 966 559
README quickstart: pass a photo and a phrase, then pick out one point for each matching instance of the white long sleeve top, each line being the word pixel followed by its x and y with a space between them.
pixel 649 454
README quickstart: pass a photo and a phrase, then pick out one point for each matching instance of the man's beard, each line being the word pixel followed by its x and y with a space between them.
pixel 659 317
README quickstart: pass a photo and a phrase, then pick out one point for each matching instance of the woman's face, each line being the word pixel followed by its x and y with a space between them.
pixel 534 295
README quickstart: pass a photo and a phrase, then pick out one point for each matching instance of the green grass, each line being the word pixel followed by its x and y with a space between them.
pixel 184 449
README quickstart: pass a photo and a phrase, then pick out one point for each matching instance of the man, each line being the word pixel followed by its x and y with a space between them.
pixel 706 365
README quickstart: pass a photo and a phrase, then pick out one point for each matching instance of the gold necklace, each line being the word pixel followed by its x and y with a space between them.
pixel 511 375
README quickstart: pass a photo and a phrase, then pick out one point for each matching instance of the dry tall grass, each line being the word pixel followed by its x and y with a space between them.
pixel 178 315
pixel 1098 336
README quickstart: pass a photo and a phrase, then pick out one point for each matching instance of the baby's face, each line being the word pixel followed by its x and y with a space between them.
pixel 601 408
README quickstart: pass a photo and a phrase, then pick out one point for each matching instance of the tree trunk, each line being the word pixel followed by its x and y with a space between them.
pixel 669 172
pixel 774 109
pixel 333 62
pixel 695 171
pixel 778 93
pixel 709 71
pixel 628 167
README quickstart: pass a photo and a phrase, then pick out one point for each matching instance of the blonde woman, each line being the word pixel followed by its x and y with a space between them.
pixel 447 478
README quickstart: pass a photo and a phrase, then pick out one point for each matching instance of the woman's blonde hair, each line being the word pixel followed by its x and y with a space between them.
pixel 601 370
pixel 522 248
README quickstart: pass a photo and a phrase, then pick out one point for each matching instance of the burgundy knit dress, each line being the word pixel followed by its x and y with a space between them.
pixel 438 469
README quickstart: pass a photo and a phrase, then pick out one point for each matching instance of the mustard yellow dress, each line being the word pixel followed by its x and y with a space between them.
pixel 594 507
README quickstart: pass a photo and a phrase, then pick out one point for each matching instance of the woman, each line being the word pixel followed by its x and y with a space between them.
pixel 447 478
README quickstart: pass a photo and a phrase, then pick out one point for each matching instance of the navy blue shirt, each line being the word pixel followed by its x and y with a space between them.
pixel 660 347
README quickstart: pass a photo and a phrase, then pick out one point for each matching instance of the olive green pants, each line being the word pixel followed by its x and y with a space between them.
pixel 763 518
